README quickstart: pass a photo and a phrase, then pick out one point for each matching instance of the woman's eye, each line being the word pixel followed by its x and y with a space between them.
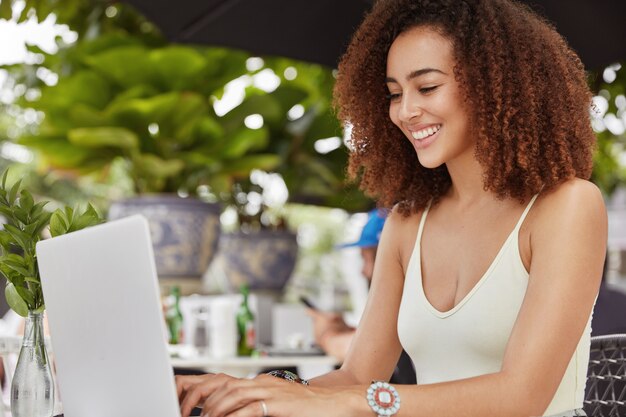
pixel 393 96
pixel 428 89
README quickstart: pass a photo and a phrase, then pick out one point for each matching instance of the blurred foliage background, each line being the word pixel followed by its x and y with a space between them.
pixel 114 110
pixel 119 111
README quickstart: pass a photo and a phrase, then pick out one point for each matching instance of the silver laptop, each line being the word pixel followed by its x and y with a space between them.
pixel 106 323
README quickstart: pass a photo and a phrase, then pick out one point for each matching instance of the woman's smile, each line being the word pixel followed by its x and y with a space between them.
pixel 424 138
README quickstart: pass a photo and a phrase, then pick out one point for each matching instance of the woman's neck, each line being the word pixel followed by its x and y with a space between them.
pixel 467 187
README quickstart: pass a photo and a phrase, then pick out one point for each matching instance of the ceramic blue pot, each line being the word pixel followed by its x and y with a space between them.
pixel 185 231
pixel 264 259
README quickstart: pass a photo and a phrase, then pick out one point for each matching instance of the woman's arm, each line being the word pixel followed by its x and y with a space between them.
pixel 375 348
pixel 568 243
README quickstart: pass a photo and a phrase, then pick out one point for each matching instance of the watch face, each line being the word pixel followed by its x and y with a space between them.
pixel 383 399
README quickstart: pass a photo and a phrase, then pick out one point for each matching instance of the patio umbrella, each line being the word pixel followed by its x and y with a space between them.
pixel 319 30
pixel 316 31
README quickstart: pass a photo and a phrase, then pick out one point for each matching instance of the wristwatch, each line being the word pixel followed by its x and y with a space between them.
pixel 383 399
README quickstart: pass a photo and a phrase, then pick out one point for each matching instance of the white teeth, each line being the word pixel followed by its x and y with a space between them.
pixel 424 133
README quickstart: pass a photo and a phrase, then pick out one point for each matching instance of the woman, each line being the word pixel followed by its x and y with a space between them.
pixel 471 118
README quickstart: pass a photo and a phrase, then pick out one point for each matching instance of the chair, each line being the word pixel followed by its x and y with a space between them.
pixel 605 393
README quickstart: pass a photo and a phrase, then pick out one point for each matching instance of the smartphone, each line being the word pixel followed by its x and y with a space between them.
pixel 304 300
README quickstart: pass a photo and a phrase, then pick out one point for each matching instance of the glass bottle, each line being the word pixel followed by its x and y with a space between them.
pixel 32 389
pixel 245 326
pixel 174 318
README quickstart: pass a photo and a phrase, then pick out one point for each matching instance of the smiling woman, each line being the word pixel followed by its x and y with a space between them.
pixel 470 118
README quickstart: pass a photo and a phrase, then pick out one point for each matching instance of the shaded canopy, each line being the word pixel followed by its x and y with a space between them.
pixel 318 31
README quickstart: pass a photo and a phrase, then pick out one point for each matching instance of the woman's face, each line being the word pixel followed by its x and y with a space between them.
pixel 425 101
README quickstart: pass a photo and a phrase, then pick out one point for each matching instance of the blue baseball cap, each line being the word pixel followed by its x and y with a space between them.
pixel 370 235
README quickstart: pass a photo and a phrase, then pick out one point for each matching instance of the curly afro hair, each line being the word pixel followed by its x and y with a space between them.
pixel 526 89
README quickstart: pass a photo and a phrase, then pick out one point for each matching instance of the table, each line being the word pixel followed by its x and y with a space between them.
pixel 308 366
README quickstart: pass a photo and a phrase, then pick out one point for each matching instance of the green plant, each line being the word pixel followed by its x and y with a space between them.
pixel 126 98
pixel 25 221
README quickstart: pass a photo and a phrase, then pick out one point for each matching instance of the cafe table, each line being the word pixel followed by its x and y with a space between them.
pixel 185 357
pixel 308 365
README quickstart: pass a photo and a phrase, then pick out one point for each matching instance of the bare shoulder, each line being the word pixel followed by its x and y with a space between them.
pixel 574 212
pixel 402 225
pixel 401 233
pixel 575 189
pixel 574 200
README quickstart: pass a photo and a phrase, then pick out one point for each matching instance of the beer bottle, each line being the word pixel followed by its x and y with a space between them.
pixel 173 317
pixel 245 326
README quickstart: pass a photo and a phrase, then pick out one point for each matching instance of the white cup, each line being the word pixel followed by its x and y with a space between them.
pixel 223 327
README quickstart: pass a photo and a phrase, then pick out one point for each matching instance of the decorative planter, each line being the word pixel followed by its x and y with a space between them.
pixel 264 259
pixel 185 231
pixel 32 389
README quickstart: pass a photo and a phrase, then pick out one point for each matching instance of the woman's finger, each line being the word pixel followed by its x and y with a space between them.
pixel 197 393
pixel 183 382
pixel 253 409
pixel 233 396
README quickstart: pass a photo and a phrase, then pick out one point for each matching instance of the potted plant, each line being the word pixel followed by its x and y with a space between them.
pixel 32 389
pixel 132 103
pixel 146 110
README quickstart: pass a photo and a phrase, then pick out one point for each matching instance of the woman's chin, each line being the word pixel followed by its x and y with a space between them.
pixel 429 162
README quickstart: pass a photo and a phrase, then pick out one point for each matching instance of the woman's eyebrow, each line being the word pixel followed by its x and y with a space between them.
pixel 415 74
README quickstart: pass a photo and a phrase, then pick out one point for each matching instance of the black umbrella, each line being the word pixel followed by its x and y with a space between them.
pixel 315 31
pixel 319 30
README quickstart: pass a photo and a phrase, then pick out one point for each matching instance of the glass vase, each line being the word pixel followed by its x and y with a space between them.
pixel 32 390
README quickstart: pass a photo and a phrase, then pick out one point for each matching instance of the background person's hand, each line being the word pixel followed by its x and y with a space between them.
pixel 327 323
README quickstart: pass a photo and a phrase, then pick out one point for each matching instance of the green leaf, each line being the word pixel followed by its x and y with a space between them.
pixel 14 191
pixel 58 223
pixel 26 201
pixel 22 238
pixel 155 167
pixel 244 165
pixel 20 214
pixel 26 294
pixel 178 67
pixel 35 229
pixel 6 11
pixel 37 209
pixel 83 87
pixel 89 218
pixel 32 280
pixel 6 239
pixel 96 137
pixel 17 267
pixel 69 214
pixel 4 179
pixel 245 140
pixel 127 66
pixel 83 115
pixel 16 302
pixel 24 15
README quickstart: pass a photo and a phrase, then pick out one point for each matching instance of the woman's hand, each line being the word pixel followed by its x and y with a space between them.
pixel 225 396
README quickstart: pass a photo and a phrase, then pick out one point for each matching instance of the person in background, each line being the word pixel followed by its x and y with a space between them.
pixel 609 313
pixel 332 333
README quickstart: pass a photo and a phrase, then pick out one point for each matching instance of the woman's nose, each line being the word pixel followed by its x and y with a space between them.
pixel 409 108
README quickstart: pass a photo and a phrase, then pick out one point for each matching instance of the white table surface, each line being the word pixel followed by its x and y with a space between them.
pixel 308 366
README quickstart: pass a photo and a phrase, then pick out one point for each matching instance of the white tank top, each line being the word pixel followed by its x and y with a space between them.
pixel 470 339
